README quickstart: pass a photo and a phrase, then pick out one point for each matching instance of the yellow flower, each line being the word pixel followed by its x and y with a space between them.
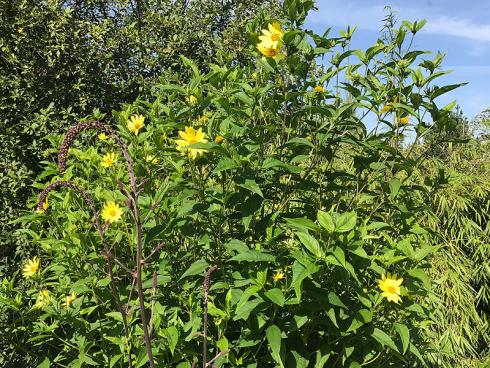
pixel 45 207
pixel 111 212
pixel 108 160
pixel 278 276
pixel 319 89
pixel 405 120
pixel 268 50
pixel 204 118
pixel 218 139
pixel 386 108
pixel 31 267
pixel 69 299
pixel 390 287
pixel 135 123
pixel 191 136
pixel 43 299
pixel 103 137
pixel 272 35
pixel 151 159
pixel 192 100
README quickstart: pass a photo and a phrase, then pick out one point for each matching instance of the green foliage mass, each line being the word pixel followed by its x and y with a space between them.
pixel 62 59
pixel 302 195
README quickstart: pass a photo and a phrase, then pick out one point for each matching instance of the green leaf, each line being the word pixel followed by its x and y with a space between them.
pixel 345 222
pixel 384 339
pixel 197 268
pixel 115 315
pixel 362 317
pixel 302 224
pixel 252 255
pixel 243 311
pixel 252 186
pixel 276 296
pixel 172 335
pixel 326 221
pixel 395 185
pixel 404 334
pixel 273 334
pixel 421 275
pixel 46 363
pixel 311 244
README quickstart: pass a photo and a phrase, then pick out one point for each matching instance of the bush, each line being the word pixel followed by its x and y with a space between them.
pixel 63 59
pixel 256 188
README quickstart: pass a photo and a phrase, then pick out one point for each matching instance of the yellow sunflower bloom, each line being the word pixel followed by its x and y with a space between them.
pixel 272 35
pixel 111 212
pixel 108 160
pixel 43 299
pixel 218 139
pixel 268 50
pixel 278 276
pixel 103 136
pixel 135 123
pixel 319 89
pixel 390 287
pixel 69 299
pixel 191 136
pixel 31 267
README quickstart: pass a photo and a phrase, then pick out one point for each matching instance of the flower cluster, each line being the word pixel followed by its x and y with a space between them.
pixel 191 136
pixel 271 41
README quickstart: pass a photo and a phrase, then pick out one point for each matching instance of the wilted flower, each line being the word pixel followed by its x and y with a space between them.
pixel 405 120
pixel 69 299
pixel 43 299
pixel 218 139
pixel 278 276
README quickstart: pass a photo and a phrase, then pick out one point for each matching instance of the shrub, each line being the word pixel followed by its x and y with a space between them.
pixel 258 189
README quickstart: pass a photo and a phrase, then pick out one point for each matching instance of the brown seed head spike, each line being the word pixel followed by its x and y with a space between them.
pixel 75 130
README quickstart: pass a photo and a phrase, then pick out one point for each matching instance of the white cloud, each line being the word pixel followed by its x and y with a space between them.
pixel 369 17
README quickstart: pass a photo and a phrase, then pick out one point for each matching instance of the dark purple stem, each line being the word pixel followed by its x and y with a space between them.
pixel 133 197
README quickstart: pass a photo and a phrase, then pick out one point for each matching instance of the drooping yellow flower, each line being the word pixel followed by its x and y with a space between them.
pixel 272 35
pixel 108 160
pixel 278 276
pixel 405 120
pixel 103 137
pixel 151 159
pixel 31 267
pixel 69 299
pixel 192 100
pixel 319 89
pixel 203 119
pixel 135 123
pixel 390 287
pixel 191 136
pixel 218 139
pixel 386 108
pixel 43 299
pixel 45 207
pixel 111 212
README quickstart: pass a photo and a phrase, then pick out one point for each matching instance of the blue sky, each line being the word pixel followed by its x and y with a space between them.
pixel 459 28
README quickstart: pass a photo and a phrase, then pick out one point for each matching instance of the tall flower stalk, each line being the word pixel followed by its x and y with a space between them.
pixel 132 196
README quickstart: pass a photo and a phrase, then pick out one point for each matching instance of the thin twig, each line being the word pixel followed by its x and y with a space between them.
pixel 224 352
pixel 152 310
pixel 207 285
pixel 157 248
